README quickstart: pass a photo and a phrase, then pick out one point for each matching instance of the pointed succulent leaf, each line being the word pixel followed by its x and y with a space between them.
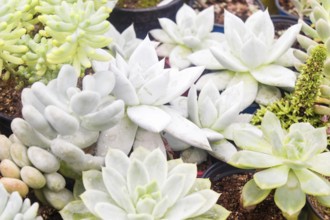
pixel 272 178
pixel 250 159
pixel 312 183
pixel 252 194
pixel 157 118
pixel 292 204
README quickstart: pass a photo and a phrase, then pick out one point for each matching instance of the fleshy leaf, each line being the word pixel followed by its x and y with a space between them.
pixel 272 178
pixel 252 194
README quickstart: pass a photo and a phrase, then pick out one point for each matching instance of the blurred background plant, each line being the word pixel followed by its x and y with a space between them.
pixel 38 37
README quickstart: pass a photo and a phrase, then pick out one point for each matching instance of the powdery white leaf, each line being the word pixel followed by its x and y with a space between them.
pixel 151 118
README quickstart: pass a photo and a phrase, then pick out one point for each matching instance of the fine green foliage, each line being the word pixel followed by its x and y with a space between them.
pixel 300 105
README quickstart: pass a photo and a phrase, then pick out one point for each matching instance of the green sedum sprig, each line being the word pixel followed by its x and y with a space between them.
pixel 301 105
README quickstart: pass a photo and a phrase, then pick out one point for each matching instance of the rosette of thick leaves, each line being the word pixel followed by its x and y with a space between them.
pixel 218 115
pixel 145 186
pixel 146 87
pixel 292 162
pixel 190 33
pixel 67 119
pixel 78 31
pixel 251 54
pixel 13 207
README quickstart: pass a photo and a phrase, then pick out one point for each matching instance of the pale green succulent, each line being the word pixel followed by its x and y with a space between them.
pixel 292 162
pixel 10 33
pixel 145 186
pixel 12 206
pixel 77 30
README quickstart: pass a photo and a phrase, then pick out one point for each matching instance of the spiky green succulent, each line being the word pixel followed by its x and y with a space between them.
pixel 145 186
pixel 303 104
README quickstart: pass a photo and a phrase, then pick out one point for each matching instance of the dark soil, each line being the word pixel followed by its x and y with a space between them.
pixel 241 8
pixel 137 3
pixel 10 98
pixel 230 188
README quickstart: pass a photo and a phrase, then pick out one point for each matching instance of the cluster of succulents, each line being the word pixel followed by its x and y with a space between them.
pixel 38 37
pixel 83 129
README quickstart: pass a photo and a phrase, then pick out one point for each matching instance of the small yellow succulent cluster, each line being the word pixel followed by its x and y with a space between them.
pixel 38 37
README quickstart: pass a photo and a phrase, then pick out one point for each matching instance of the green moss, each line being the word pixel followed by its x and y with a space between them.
pixel 137 3
pixel 299 105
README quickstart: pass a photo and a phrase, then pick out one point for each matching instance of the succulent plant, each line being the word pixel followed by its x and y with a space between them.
pixel 77 29
pixel 62 111
pixel 13 206
pixel 123 43
pixel 293 162
pixel 145 186
pixel 309 102
pixel 146 87
pixel 251 54
pixel 38 37
pixel 218 115
pixel 25 167
pixel 190 33
pixel 10 34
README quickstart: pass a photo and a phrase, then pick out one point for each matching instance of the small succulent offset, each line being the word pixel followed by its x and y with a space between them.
pixel 293 162
pixel 145 186
pixel 218 115
pixel 190 33
pixel 250 53
pixel 13 207
pixel 147 87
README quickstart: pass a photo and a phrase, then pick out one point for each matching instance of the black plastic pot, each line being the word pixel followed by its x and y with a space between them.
pixel 313 214
pixel 5 122
pixel 220 27
pixel 284 12
pixel 221 169
pixel 144 19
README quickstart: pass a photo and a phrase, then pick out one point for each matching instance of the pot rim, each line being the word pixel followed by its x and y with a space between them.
pixel 154 8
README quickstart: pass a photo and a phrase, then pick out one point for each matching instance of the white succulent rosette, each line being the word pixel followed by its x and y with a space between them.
pixel 146 88
pixel 14 207
pixel 293 162
pixel 251 54
pixel 191 32
pixel 145 186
